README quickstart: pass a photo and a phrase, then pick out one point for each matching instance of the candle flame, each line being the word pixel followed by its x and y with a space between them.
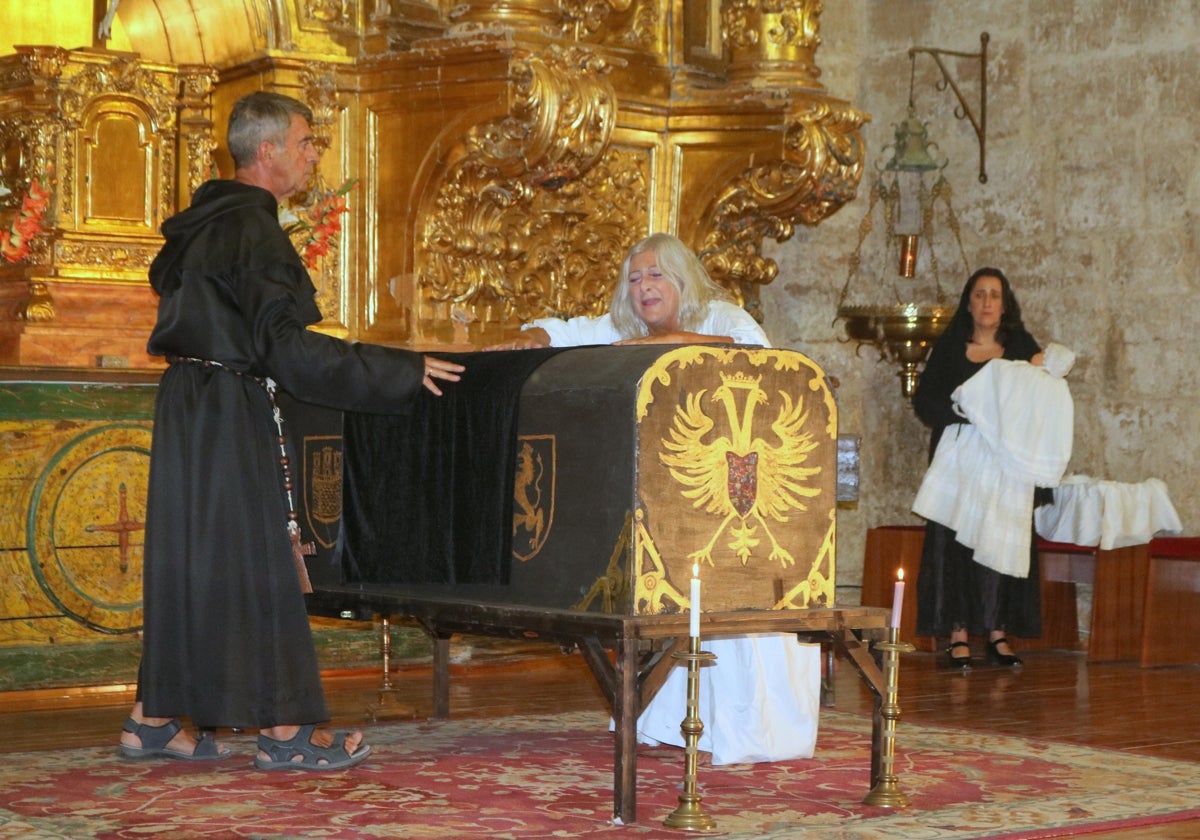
pixel 900 573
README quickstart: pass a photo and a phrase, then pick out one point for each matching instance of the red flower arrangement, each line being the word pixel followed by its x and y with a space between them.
pixel 322 232
pixel 26 224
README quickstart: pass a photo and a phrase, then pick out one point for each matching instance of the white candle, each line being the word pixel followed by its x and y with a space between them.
pixel 898 599
pixel 695 602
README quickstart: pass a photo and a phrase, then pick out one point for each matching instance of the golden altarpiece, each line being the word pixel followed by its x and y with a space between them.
pixel 500 159
pixel 504 156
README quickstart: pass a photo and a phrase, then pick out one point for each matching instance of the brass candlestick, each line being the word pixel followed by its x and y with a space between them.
pixel 886 792
pixel 690 815
pixel 388 707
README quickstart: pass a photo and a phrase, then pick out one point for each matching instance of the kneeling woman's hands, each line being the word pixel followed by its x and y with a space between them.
pixel 529 339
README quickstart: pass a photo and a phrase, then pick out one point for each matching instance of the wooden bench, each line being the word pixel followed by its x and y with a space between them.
pixel 629 656
pixel 1118 580
pixel 1145 598
pixel 1171 618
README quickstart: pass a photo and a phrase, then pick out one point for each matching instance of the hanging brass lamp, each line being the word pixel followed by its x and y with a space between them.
pixel 908 310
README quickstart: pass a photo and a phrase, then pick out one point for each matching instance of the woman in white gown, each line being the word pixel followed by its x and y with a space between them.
pixel 760 700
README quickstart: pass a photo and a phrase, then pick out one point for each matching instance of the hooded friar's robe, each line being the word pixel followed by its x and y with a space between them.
pixel 226 633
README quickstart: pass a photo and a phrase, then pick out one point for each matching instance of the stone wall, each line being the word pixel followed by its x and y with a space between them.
pixel 1089 210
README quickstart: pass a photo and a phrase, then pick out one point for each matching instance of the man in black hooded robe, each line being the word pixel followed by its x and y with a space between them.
pixel 227 641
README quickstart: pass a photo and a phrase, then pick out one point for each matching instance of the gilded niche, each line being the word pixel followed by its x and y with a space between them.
pixel 113 143
pixel 117 108
pixel 100 130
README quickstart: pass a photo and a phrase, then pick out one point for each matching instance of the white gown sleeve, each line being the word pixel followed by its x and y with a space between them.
pixel 577 331
pixel 731 320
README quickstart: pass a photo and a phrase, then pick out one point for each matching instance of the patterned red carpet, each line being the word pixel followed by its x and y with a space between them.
pixel 551 777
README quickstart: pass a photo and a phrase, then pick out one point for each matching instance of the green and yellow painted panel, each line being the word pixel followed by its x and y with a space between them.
pixel 74 459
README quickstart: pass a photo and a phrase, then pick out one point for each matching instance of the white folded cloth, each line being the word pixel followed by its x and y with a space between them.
pixel 981 480
pixel 1110 514
pixel 1025 414
pixel 966 490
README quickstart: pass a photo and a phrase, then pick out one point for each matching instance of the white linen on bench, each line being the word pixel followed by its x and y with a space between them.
pixel 1110 514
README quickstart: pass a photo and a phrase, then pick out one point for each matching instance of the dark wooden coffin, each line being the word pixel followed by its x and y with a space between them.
pixel 636 467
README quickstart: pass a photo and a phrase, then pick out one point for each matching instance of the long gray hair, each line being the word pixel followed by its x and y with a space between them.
pixel 683 268
pixel 260 116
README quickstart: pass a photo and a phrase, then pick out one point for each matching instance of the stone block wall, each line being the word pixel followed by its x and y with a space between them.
pixel 1089 209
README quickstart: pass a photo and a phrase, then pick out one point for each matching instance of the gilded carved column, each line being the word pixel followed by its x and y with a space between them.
pixel 772 43
pixel 38 72
pixel 30 137
pixel 197 135
pixel 319 85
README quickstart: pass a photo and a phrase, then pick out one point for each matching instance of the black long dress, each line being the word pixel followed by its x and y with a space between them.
pixel 952 589
pixel 226 634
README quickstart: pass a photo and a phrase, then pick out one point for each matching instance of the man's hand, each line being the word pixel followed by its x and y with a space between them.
pixel 440 369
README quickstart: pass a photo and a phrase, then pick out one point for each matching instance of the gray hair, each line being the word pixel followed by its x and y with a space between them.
pixel 680 265
pixel 260 116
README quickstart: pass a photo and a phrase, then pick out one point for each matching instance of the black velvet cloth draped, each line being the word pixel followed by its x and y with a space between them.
pixel 428 497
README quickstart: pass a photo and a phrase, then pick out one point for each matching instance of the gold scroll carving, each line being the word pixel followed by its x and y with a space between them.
pixel 524 217
pixel 818 172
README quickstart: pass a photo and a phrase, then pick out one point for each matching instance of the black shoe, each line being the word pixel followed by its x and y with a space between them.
pixel 1008 660
pixel 959 661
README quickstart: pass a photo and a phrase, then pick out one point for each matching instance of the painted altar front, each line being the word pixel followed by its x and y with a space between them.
pixel 76 448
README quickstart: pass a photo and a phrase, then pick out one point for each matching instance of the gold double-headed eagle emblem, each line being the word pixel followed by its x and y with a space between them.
pixel 740 476
pixel 750 449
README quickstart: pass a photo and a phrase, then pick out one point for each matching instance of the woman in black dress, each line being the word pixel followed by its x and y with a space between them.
pixel 956 596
